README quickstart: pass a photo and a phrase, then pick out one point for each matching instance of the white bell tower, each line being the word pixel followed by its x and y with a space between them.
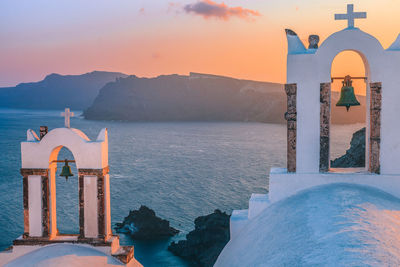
pixel 39 167
pixel 39 163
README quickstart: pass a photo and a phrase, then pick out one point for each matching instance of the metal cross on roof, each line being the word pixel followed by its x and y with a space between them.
pixel 351 15
pixel 67 114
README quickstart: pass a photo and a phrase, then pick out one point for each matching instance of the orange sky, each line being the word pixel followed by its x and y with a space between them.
pixel 149 38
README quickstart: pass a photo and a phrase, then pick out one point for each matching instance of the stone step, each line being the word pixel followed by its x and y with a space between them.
pixel 237 221
pixel 257 203
pixel 124 254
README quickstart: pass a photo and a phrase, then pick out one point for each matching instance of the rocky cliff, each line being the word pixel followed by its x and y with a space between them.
pixel 57 91
pixel 199 97
pixel 355 155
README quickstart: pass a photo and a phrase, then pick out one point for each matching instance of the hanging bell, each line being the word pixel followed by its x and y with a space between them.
pixel 66 171
pixel 347 96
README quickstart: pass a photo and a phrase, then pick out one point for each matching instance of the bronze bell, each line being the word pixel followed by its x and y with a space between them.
pixel 66 171
pixel 347 96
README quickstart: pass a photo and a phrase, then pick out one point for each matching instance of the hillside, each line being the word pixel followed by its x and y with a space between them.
pixel 57 91
pixel 199 97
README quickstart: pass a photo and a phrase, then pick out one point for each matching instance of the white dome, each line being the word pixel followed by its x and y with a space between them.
pixel 65 255
pixel 331 225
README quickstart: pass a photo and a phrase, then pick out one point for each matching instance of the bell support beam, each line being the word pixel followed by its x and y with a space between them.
pixel 353 78
pixel 325 115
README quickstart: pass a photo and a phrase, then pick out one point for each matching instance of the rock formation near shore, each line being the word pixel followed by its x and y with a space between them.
pixel 355 155
pixel 143 224
pixel 200 97
pixel 203 245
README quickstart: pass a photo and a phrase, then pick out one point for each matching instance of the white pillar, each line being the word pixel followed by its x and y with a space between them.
pixel 90 206
pixel 35 205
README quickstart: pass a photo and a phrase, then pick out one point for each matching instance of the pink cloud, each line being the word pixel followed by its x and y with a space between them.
pixel 209 9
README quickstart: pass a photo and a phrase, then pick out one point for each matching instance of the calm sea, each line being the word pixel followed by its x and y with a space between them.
pixel 181 170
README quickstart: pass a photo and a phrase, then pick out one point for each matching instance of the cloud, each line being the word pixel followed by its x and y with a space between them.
pixel 209 9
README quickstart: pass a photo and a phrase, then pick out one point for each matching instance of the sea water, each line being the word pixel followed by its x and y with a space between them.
pixel 181 170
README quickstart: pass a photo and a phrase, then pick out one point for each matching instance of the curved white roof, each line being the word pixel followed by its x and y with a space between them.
pixel 331 225
pixel 65 255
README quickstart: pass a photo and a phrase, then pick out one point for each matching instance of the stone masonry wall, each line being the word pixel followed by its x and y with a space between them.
pixel 291 117
pixel 325 110
pixel 375 127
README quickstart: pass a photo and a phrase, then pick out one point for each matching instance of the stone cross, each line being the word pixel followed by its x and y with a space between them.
pixel 67 114
pixel 351 15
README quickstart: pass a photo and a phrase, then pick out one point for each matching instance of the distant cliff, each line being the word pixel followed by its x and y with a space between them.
pixel 57 91
pixel 199 97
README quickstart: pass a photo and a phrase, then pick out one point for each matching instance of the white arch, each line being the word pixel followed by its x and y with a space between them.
pixel 88 154
pixel 367 46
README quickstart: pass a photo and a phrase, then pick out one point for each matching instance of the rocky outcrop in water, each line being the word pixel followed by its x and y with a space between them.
pixel 355 155
pixel 143 224
pixel 204 244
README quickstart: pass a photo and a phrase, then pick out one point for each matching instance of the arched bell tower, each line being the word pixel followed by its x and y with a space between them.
pixel 308 90
pixel 39 157
pixel 39 166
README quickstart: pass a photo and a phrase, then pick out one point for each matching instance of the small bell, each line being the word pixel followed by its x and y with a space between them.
pixel 66 171
pixel 347 96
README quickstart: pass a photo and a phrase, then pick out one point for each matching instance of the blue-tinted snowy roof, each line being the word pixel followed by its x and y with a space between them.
pixel 333 225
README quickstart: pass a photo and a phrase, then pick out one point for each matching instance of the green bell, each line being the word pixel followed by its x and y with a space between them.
pixel 66 171
pixel 347 96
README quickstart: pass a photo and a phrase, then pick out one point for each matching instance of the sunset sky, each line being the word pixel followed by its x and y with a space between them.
pixel 237 38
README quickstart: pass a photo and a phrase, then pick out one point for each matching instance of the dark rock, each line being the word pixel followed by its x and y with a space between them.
pixel 143 224
pixel 355 155
pixel 204 244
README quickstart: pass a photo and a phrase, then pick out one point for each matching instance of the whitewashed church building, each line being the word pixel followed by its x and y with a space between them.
pixel 313 214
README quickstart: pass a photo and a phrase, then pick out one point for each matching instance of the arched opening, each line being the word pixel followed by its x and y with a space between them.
pixel 64 198
pixel 349 129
